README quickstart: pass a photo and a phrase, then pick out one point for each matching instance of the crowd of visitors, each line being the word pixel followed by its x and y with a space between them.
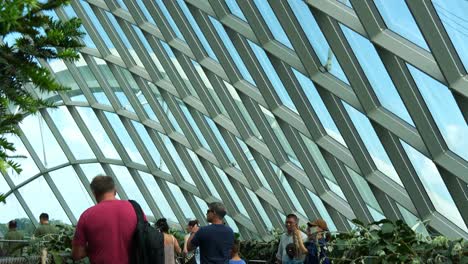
pixel 105 233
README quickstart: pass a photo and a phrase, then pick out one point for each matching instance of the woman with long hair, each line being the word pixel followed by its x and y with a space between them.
pixel 171 245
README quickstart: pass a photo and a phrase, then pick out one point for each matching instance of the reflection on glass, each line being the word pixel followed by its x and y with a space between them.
pixel 72 190
pixel 98 132
pixel 399 19
pixel 40 199
pixel 446 113
pixel 317 39
pixel 415 223
pixel 44 143
pixel 434 185
pixel 260 209
pixel 453 17
pixel 232 50
pixel 372 143
pixel 319 107
pixel 158 196
pixel 376 73
pixel 71 133
pixel 272 22
pixel 124 137
pixel 272 76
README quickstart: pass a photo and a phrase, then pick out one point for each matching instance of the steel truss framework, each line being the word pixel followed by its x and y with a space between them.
pixel 273 155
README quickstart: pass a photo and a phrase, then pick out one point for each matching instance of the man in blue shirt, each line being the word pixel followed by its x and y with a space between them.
pixel 215 241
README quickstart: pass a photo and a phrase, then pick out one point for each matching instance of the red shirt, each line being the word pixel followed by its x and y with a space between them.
pixel 106 230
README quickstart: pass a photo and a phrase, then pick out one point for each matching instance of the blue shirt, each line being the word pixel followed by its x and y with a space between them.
pixel 241 261
pixel 215 243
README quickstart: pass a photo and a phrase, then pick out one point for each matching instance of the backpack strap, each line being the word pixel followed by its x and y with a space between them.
pixel 138 211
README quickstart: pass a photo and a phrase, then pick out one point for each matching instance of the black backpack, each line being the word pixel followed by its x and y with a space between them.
pixel 148 242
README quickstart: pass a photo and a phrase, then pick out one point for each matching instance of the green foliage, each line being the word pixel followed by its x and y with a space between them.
pixel 261 249
pixel 394 242
pixel 29 36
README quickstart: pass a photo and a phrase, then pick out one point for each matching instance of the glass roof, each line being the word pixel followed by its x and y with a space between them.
pixel 336 110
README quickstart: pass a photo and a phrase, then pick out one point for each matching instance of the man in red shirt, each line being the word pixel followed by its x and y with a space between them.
pixel 104 232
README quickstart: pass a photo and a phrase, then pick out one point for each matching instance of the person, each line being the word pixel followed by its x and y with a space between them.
pixel 44 227
pixel 171 245
pixel 104 231
pixel 292 228
pixel 317 233
pixel 13 249
pixel 235 258
pixel 194 253
pixel 215 240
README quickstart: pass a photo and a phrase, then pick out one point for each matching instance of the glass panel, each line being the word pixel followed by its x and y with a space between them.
pixel 166 109
pixel 122 4
pixel 318 158
pixel 254 164
pixel 123 38
pixel 150 51
pixel 221 142
pixel 98 133
pixel 203 173
pixel 72 190
pixel 376 74
pixel 148 143
pixel 323 211
pixel 273 76
pixel 208 85
pixel 130 188
pixel 40 199
pixel 71 133
pixel 124 137
pixel 415 223
pixel 202 204
pixel 169 19
pixel 44 143
pixel 453 17
pixel 272 22
pixel 12 209
pixel 446 113
pixel 193 124
pixel 27 164
pixel 91 81
pixel 158 196
pixel 147 15
pixel 235 9
pixel 232 193
pixel 319 107
pixel 181 201
pixel 231 223
pixel 434 185
pixel 243 110
pixel 334 187
pixel 365 191
pixel 3 185
pixel 280 136
pixel 91 170
pixel 232 50
pixel 260 209
pixel 372 143
pixel 197 30
pixel 86 38
pixel 175 156
pixel 102 33
pixel 284 181
pixel 317 39
pixel 399 19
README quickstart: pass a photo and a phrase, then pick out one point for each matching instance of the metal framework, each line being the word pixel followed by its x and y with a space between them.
pixel 207 100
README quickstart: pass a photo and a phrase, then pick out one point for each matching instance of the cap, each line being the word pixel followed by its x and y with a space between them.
pixel 320 223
